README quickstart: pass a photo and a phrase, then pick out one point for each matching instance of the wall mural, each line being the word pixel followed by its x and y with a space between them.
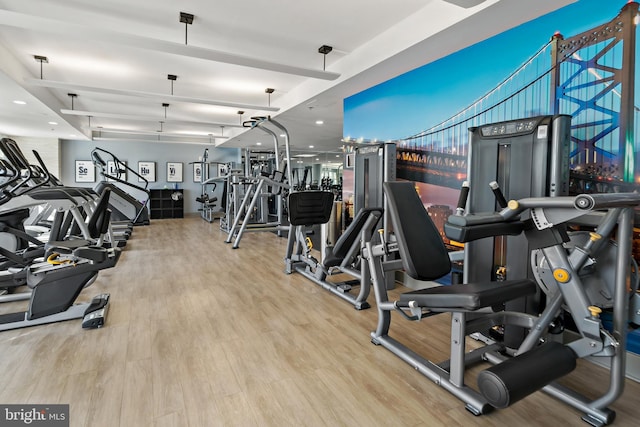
pixel 579 60
pixel 567 62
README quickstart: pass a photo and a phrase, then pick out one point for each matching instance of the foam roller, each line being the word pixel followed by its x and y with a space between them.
pixel 514 379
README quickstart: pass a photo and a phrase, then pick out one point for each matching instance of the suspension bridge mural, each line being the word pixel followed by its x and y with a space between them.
pixel 579 60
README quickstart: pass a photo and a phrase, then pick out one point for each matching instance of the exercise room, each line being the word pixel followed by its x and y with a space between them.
pixel 349 213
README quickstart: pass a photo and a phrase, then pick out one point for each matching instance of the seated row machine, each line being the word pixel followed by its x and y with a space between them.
pixel 565 266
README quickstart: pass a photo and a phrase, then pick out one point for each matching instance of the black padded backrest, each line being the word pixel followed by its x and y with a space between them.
pixel 310 207
pixel 100 217
pixel 352 233
pixel 424 256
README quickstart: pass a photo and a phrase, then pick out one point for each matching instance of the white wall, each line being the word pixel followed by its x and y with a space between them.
pixel 132 152
pixel 48 148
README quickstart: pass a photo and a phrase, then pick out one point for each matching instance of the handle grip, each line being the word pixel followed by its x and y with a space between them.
pixel 98 158
pixel 502 202
pixel 462 199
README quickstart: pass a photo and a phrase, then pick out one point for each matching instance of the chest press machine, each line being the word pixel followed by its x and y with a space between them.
pixel 539 360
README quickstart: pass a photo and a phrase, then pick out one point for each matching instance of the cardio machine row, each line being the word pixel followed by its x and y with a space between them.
pixel 54 240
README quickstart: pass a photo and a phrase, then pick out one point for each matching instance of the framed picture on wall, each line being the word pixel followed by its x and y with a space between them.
pixel 174 171
pixel 197 171
pixel 147 170
pixel 112 170
pixel 85 171
pixel 223 169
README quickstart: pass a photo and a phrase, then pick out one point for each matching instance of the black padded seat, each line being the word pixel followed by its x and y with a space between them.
pixel 330 260
pixel 470 296
pixel 424 257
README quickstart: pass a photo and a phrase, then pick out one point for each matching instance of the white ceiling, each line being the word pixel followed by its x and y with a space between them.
pixel 116 56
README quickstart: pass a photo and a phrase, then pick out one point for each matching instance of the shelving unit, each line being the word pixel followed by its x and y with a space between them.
pixel 166 203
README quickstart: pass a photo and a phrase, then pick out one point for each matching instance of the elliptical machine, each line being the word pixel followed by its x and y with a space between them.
pixel 69 267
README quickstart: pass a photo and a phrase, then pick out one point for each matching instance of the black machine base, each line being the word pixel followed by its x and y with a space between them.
pixel 94 316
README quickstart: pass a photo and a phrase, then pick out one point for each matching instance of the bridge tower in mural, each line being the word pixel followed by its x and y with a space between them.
pixel 590 76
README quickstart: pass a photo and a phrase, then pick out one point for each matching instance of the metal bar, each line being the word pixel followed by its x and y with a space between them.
pixel 245 222
pixel 287 149
pixel 239 211
pixel 620 311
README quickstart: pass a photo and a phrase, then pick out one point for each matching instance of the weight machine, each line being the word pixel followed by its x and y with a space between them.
pixel 257 187
pixel 565 268
pixel 308 208
pixel 208 185
pixel 521 158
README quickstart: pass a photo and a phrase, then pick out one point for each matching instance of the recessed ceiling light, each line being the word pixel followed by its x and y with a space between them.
pixel 53 123
pixel 337 155
pixel 317 159
pixel 19 102
pixel 311 146
pixel 282 135
pixel 258 143
pixel 319 122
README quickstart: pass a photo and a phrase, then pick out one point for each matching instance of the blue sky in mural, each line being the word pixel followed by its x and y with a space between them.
pixel 427 95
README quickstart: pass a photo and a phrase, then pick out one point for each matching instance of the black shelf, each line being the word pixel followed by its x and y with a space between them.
pixel 166 203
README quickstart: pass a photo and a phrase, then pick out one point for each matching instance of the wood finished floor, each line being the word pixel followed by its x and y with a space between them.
pixel 199 334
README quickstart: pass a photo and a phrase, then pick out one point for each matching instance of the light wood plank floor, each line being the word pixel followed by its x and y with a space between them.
pixel 200 334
